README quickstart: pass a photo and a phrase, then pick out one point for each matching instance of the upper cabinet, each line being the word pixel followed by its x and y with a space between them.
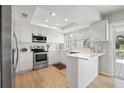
pixel 55 38
pixel 99 31
pixel 25 34
pixel 59 38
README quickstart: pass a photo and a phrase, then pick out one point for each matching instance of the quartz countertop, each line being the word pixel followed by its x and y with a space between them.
pixel 85 56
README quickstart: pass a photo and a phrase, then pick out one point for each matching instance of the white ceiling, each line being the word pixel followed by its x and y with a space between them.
pixel 79 17
pixel 106 9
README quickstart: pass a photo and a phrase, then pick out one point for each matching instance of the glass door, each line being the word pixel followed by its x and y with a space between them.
pixel 119 52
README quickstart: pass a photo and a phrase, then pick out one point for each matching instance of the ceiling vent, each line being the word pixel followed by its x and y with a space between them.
pixel 24 15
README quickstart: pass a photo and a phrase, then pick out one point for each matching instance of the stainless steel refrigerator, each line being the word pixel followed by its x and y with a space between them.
pixel 8 48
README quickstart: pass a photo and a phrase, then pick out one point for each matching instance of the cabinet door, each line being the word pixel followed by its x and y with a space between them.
pixel 35 31
pixel 29 56
pixel 55 38
pixel 99 31
pixel 50 58
pixel 104 65
pixel 26 34
pixel 56 57
pixel 29 59
pixel 53 57
pixel 25 61
pixel 22 61
pixel 60 38
pixel 62 58
pixel 49 39
pixel 79 44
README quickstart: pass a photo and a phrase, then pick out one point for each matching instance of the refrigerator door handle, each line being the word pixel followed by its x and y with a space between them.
pixel 13 50
pixel 17 55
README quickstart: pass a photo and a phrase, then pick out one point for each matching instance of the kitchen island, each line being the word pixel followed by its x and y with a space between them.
pixel 82 69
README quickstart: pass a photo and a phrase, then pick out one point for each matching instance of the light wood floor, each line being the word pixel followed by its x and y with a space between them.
pixel 102 81
pixel 43 78
pixel 53 78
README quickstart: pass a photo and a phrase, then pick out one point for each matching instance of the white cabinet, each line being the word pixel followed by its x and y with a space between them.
pixel 99 31
pixel 53 57
pixel 25 62
pixel 35 31
pixel 79 43
pixel 59 38
pixel 56 57
pixel 55 38
pixel 105 66
pixel 62 57
pixel 26 34
pixel 50 38
pixel 80 72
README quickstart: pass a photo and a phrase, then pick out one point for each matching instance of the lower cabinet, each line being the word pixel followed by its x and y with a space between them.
pixel 57 57
pixel 53 57
pixel 25 62
pixel 63 58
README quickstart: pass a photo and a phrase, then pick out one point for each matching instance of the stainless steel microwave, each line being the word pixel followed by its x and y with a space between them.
pixel 39 38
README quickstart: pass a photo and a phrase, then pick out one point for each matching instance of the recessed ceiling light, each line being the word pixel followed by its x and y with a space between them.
pixel 52 13
pixel 46 20
pixel 57 24
pixel 65 19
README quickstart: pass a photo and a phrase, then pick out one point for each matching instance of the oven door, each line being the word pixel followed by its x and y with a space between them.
pixel 40 58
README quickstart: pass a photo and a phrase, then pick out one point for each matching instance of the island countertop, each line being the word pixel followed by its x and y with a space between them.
pixel 86 56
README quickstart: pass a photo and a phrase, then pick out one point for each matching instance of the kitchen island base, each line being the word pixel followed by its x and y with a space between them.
pixel 81 72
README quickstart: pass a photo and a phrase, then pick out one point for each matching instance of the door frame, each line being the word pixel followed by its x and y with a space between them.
pixel 113 27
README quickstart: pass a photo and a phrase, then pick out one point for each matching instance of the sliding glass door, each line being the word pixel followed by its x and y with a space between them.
pixel 119 52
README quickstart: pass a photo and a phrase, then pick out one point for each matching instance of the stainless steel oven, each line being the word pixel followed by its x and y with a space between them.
pixel 40 60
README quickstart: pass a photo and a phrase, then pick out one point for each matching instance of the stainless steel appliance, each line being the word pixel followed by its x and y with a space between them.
pixel 8 48
pixel 39 38
pixel 40 57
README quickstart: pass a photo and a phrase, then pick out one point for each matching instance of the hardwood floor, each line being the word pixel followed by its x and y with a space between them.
pixel 43 78
pixel 102 81
pixel 53 78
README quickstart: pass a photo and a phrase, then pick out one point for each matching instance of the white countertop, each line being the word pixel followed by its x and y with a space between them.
pixel 85 56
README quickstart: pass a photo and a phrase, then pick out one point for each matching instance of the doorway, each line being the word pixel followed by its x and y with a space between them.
pixel 117 53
